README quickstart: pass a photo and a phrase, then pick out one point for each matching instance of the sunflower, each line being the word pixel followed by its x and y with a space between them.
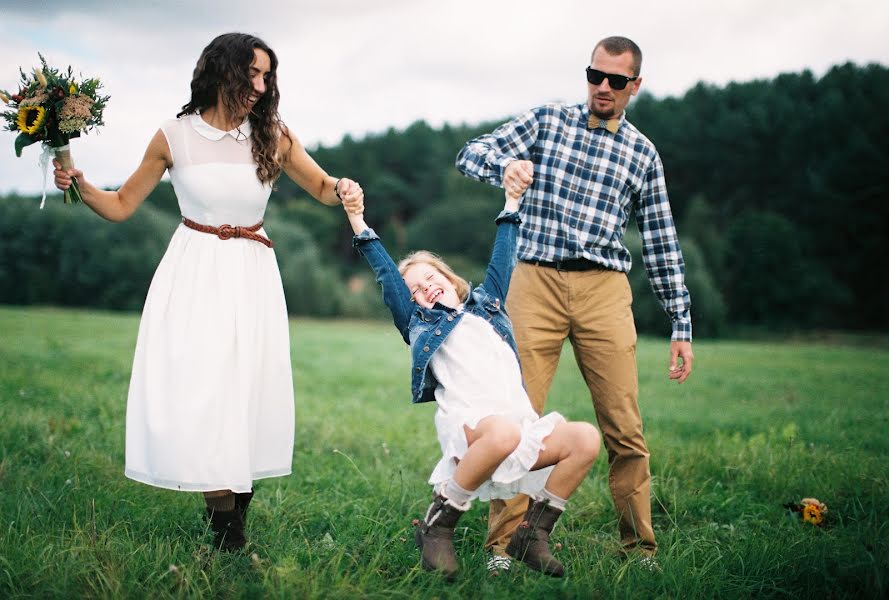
pixel 31 119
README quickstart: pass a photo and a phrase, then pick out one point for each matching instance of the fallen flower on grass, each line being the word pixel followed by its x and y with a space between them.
pixel 811 510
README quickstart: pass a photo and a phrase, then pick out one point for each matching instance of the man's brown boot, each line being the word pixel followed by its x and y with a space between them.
pixel 435 535
pixel 530 542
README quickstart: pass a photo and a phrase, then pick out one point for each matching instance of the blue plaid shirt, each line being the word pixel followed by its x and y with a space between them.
pixel 586 183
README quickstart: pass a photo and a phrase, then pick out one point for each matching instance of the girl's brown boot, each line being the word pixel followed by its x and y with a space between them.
pixel 530 542
pixel 435 536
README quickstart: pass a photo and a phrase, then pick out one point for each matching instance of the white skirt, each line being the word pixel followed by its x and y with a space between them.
pixel 210 403
pixel 514 475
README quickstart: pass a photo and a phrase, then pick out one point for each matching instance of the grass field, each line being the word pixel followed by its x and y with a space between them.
pixel 757 425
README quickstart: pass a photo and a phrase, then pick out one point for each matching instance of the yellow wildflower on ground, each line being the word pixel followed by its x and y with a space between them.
pixel 812 514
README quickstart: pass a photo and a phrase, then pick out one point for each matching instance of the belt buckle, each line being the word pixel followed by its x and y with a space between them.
pixel 226 232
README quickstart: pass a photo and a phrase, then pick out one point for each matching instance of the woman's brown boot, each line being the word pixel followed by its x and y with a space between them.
pixel 435 536
pixel 228 529
pixel 227 521
pixel 242 501
pixel 530 542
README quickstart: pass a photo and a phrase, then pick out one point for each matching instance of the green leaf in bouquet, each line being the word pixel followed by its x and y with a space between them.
pixel 22 140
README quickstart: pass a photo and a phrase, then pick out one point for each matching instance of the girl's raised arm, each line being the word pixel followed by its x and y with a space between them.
pixel 120 205
pixel 396 296
pixel 357 222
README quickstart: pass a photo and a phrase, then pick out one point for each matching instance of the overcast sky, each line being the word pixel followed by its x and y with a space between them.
pixel 358 67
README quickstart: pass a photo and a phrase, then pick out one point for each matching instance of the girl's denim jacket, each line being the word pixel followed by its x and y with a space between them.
pixel 425 329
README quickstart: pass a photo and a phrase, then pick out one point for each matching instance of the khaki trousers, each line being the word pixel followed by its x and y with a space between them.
pixel 592 309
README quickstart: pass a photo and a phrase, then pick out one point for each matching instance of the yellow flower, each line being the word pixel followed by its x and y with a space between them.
pixel 40 77
pixel 812 514
pixel 30 119
pixel 72 88
pixel 4 98
pixel 815 502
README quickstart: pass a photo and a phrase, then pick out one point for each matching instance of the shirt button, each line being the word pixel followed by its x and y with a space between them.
pixel 438 332
pixel 425 348
pixel 450 318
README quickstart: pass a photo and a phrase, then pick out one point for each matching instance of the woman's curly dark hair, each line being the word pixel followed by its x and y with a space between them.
pixel 223 72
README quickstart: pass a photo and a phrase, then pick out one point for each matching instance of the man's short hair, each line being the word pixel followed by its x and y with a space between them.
pixel 617 45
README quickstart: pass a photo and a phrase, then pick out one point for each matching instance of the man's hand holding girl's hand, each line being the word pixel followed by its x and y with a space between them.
pixel 518 176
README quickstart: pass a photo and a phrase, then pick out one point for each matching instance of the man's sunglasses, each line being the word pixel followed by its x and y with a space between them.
pixel 617 82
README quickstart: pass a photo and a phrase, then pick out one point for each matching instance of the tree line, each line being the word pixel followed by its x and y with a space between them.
pixel 779 189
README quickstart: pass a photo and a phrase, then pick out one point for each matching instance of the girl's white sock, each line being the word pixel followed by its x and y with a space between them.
pixel 554 501
pixel 456 494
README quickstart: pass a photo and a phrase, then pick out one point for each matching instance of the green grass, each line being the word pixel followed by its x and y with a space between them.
pixel 759 424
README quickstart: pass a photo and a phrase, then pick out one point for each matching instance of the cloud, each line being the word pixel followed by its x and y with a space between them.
pixel 357 67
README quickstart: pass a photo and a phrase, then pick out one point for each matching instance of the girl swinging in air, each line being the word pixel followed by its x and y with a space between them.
pixel 464 357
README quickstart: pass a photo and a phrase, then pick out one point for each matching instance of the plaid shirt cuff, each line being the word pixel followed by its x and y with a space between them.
pixel 681 331
pixel 501 165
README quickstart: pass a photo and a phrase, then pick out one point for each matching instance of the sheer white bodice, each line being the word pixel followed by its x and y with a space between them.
pixel 213 173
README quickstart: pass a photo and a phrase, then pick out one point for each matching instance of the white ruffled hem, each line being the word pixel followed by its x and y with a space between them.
pixel 514 475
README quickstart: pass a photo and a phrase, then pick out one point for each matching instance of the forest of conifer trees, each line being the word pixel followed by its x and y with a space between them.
pixel 780 190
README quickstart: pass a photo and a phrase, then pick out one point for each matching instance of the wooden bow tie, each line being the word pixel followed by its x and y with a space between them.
pixel 611 124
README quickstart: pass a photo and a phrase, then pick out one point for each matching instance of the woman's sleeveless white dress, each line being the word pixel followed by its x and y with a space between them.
pixel 210 403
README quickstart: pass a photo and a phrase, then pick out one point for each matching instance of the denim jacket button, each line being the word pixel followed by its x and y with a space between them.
pixel 438 332
pixel 425 348
pixel 450 318
pixel 417 369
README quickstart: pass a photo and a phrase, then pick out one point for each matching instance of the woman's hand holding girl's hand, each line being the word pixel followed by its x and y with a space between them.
pixel 353 204
pixel 63 178
pixel 352 195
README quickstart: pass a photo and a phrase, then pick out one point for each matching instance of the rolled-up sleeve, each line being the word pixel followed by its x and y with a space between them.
pixel 484 158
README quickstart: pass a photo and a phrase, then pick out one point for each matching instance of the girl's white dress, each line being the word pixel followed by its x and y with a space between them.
pixel 210 402
pixel 479 376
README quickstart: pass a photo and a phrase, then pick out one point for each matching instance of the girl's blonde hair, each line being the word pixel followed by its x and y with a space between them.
pixel 435 261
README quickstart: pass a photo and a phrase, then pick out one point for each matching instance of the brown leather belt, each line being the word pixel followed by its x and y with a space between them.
pixel 225 232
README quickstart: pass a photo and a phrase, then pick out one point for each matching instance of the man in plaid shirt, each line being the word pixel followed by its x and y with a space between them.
pixel 585 170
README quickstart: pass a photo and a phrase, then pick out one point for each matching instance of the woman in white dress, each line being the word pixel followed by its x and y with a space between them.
pixel 464 358
pixel 210 405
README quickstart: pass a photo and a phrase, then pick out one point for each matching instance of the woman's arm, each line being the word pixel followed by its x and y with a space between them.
pixel 120 205
pixel 308 175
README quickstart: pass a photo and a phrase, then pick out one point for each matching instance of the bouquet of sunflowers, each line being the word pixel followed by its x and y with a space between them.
pixel 52 107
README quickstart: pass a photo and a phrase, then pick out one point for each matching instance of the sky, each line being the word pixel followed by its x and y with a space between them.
pixel 360 67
